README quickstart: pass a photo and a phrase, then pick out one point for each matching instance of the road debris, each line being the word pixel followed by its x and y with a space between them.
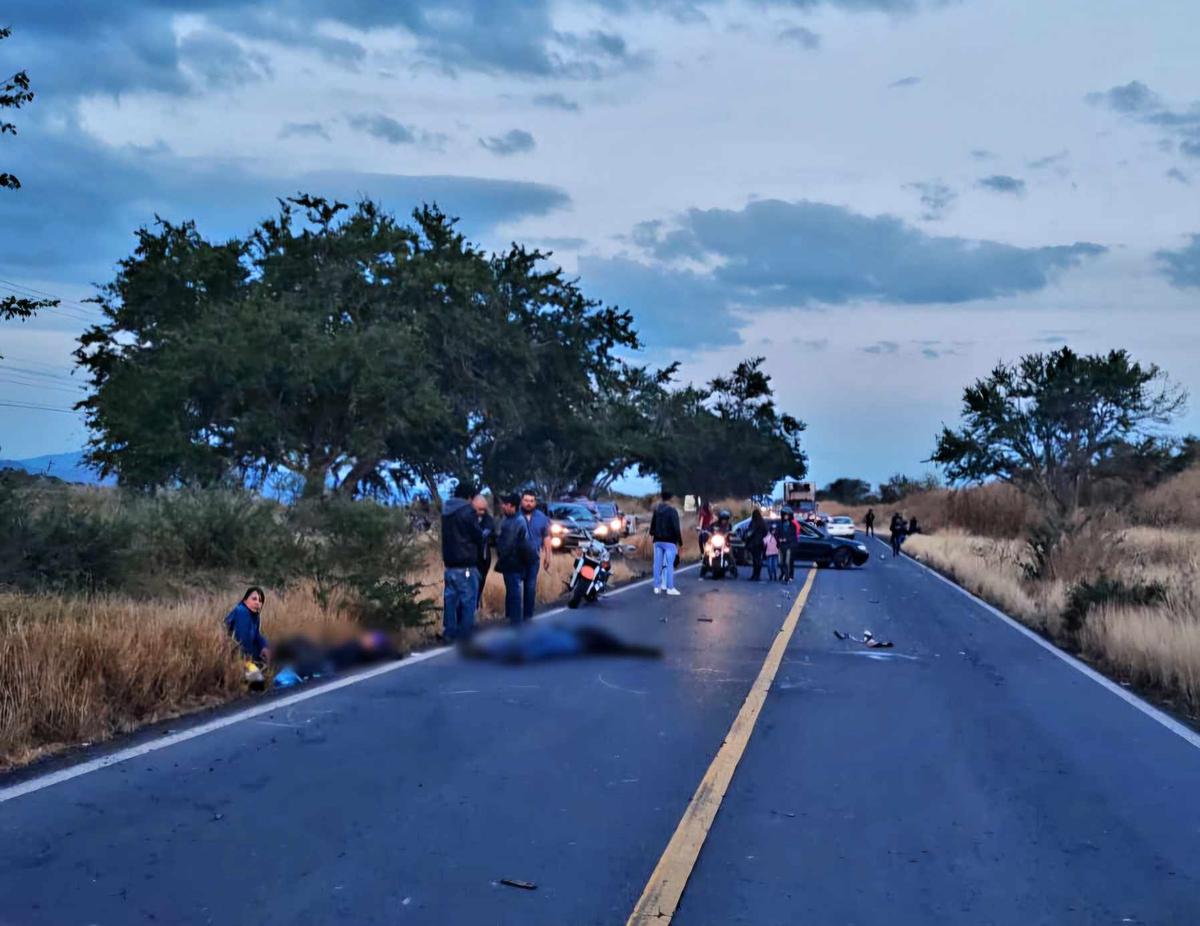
pixel 523 885
pixel 705 620
pixel 867 639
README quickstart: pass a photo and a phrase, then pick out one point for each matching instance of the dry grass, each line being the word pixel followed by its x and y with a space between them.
pixel 1156 647
pixel 81 670
pixel 74 670
pixel 1175 502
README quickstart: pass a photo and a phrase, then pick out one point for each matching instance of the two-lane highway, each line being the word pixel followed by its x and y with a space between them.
pixel 967 775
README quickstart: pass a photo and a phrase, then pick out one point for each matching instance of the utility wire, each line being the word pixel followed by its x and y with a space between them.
pixel 42 408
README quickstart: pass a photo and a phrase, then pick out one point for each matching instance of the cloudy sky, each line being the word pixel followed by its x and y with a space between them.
pixel 882 197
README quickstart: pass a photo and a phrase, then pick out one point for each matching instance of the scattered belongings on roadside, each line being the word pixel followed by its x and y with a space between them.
pixel 536 642
pixel 867 639
pixel 253 675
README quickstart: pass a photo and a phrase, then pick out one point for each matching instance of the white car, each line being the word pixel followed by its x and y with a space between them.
pixel 840 526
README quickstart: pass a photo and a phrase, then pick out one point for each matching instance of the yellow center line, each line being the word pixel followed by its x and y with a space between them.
pixel 663 891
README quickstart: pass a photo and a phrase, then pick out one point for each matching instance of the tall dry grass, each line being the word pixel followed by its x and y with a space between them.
pixel 77 669
pixel 1156 646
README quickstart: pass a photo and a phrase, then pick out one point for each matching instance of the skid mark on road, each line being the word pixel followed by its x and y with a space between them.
pixel 664 890
pixel 607 684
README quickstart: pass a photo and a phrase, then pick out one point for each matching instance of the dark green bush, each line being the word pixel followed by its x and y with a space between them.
pixel 56 537
pixel 1083 596
pixel 365 548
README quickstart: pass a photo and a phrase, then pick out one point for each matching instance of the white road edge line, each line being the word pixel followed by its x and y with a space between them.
pixel 1128 697
pixel 133 752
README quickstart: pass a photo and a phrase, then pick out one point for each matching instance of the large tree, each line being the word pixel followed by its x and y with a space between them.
pixel 359 353
pixel 727 439
pixel 15 92
pixel 1050 423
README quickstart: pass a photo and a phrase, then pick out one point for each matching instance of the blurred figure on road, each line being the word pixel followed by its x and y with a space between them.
pixel 869 522
pixel 462 551
pixel 788 535
pixel 244 625
pixel 704 522
pixel 668 538
pixel 487 526
pixel 898 529
pixel 551 641
pixel 756 533
pixel 771 551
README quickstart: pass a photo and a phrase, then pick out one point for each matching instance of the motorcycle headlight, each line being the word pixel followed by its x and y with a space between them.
pixel 556 541
pixel 718 541
pixel 557 529
pixel 615 524
pixel 601 530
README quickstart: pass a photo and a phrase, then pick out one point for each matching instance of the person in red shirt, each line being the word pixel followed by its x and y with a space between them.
pixel 704 520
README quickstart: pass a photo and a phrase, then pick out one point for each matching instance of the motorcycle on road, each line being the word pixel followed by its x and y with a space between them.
pixel 593 569
pixel 718 556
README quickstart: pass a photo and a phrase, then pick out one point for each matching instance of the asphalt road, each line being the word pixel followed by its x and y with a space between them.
pixel 965 776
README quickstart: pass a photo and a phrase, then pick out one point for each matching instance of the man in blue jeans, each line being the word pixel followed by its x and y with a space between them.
pixel 462 550
pixel 525 540
pixel 668 538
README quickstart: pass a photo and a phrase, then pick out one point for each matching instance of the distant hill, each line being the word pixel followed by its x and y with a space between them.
pixel 66 466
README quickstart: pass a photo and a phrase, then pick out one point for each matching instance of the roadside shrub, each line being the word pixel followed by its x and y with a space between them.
pixel 221 530
pixel 367 549
pixel 53 538
pixel 1084 596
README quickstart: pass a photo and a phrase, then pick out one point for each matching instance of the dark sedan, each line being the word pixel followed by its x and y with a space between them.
pixel 816 546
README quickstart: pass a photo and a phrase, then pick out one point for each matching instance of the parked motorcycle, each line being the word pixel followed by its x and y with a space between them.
pixel 593 569
pixel 718 557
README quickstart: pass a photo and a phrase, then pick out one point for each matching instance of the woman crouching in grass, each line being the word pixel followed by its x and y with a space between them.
pixel 243 623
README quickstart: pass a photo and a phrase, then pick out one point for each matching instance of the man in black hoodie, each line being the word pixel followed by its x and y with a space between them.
pixel 462 552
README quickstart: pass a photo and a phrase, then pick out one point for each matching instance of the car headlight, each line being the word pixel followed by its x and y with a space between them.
pixel 861 546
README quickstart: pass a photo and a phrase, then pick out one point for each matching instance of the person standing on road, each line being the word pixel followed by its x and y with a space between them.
pixel 756 533
pixel 704 522
pixel 487 526
pixel 520 582
pixel 788 535
pixel 462 551
pixel 771 551
pixel 898 529
pixel 514 556
pixel 869 522
pixel 667 537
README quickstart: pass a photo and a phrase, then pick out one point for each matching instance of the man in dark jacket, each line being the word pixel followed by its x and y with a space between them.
pixel 514 556
pixel 668 538
pixel 788 536
pixel 462 550
pixel 869 522
pixel 487 524
pixel 898 529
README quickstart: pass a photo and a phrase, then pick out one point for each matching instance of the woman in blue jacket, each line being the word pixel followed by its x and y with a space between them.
pixel 243 624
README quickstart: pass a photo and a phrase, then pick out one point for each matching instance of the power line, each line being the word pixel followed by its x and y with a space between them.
pixel 42 408
pixel 57 377
pixel 33 384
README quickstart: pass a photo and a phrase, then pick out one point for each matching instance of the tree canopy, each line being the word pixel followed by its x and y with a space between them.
pixel 15 92
pixel 368 355
pixel 1052 423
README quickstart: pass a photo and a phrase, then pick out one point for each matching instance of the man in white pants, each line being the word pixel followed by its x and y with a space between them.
pixel 668 538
